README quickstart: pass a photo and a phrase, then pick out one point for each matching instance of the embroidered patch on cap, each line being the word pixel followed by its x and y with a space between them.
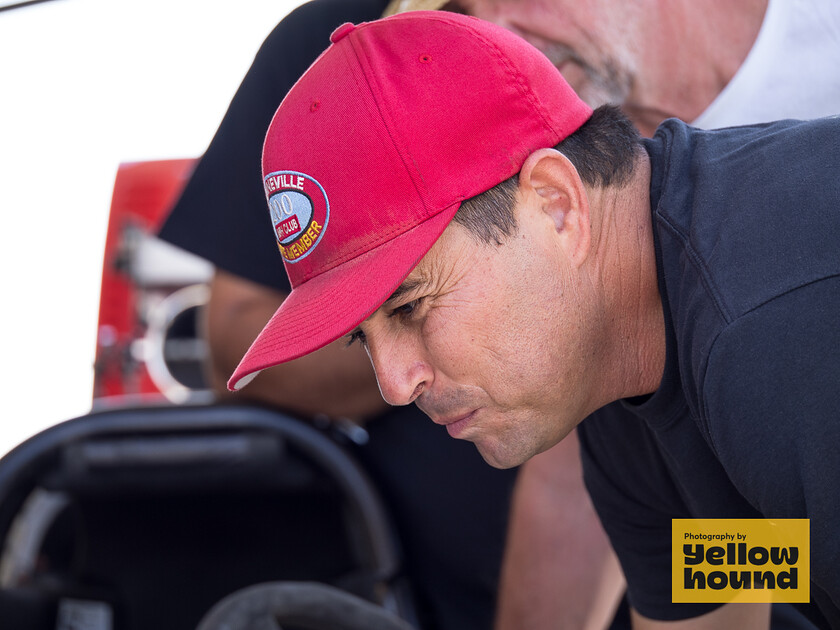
pixel 299 212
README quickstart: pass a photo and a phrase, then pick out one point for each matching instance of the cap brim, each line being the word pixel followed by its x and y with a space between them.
pixel 322 309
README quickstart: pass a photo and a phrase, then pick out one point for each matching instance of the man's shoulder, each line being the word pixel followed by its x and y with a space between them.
pixel 782 135
pixel 747 213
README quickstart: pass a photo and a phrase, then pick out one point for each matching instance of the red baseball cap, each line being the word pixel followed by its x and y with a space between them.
pixel 373 150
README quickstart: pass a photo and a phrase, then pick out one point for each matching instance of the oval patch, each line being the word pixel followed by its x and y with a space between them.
pixel 299 212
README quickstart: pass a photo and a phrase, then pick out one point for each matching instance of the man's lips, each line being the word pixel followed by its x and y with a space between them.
pixel 456 425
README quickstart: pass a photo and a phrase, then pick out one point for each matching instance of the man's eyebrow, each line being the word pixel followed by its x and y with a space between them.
pixel 406 287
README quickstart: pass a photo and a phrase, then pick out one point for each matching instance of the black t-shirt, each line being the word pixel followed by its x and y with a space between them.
pixel 449 507
pixel 746 422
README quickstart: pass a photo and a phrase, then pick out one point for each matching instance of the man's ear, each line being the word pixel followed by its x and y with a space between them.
pixel 549 177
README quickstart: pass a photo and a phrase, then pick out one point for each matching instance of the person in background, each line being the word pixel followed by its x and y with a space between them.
pixel 713 64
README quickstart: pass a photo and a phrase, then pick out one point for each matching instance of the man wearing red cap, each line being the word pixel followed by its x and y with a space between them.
pixel 714 64
pixel 681 290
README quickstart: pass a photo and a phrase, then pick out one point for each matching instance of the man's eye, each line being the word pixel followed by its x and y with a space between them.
pixel 405 310
pixel 356 335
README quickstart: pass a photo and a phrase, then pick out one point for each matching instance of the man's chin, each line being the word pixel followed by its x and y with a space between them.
pixel 500 457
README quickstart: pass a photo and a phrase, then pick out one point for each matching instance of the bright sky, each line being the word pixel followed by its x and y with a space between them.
pixel 84 86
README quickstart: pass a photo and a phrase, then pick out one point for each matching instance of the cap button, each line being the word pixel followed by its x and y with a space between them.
pixel 342 31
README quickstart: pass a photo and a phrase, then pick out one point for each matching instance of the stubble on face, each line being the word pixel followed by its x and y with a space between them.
pixel 607 83
pixel 489 327
pixel 504 437
pixel 594 44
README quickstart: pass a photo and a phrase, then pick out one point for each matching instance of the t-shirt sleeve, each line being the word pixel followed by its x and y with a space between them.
pixel 772 404
pixel 222 214
pixel 629 481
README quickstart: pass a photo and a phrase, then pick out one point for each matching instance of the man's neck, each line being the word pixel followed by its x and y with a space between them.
pixel 692 50
pixel 625 259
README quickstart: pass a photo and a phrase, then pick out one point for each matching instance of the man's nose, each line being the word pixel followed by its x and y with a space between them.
pixel 401 369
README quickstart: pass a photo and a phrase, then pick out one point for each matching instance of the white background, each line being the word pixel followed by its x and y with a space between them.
pixel 84 86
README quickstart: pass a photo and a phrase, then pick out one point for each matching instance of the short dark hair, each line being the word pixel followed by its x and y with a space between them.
pixel 603 150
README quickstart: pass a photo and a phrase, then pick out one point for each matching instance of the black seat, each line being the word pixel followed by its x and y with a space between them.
pixel 146 517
